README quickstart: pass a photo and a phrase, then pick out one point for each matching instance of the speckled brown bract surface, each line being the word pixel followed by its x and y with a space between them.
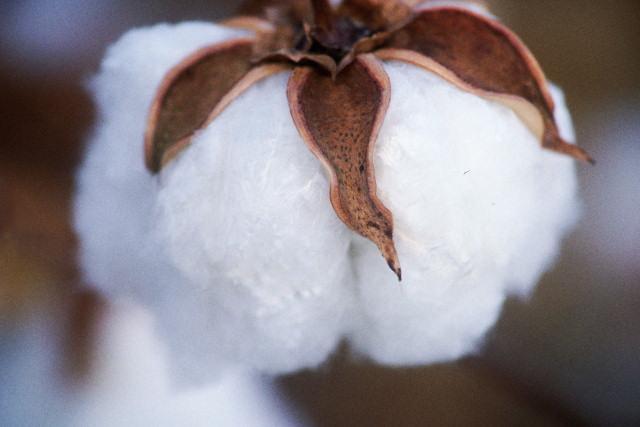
pixel 340 120
pixel 339 91
pixel 190 94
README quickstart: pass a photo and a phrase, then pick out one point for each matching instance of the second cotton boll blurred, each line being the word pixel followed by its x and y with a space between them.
pixel 235 249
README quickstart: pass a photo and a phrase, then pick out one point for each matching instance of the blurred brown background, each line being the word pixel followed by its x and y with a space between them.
pixel 570 355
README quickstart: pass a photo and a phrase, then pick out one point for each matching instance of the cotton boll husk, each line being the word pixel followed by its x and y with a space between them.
pixel 479 210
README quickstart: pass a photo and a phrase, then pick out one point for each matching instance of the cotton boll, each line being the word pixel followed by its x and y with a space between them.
pixel 237 252
pixel 479 209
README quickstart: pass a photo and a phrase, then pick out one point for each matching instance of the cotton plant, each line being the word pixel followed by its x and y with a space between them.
pixel 375 172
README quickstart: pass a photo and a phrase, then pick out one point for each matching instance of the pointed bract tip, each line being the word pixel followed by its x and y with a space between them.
pixel 559 145
pixel 395 268
pixel 582 155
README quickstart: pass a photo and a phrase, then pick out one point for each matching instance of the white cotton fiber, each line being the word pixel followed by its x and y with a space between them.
pixel 478 209
pixel 264 255
pixel 235 248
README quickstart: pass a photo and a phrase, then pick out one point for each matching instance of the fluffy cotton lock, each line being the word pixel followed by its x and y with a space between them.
pixel 235 249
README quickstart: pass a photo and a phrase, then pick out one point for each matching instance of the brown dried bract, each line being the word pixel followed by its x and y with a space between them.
pixel 190 92
pixel 339 120
pixel 338 91
pixel 483 56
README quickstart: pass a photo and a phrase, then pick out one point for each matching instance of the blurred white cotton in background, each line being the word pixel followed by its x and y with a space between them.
pixel 129 383
pixel 238 254
pixel 31 391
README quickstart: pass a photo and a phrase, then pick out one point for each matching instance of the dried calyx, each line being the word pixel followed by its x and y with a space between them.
pixel 338 90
